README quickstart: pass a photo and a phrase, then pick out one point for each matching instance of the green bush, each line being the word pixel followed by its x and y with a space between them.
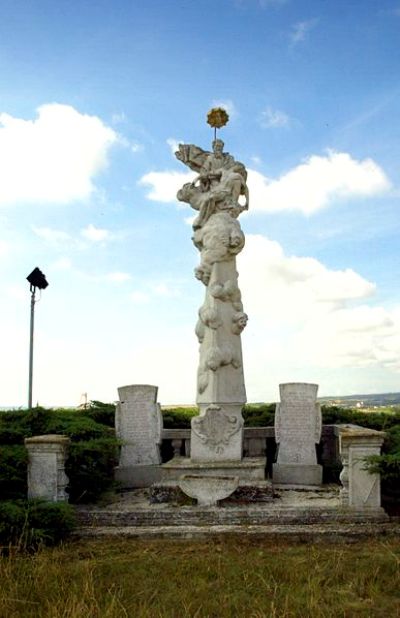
pixel 50 522
pixel 92 455
pixel 255 415
pixel 15 425
pixel 103 413
pixel 388 466
pixel 259 414
pixel 381 421
pixel 13 472
pixel 178 418
pixel 30 523
pixel 77 426
pixel 90 468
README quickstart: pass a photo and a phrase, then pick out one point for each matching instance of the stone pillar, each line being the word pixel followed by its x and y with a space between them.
pixel 138 424
pixel 217 434
pixel 297 430
pixel 46 467
pixel 360 488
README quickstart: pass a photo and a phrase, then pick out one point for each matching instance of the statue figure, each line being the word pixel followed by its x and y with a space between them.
pixel 220 182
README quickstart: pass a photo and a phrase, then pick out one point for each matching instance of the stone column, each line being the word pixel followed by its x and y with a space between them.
pixel 360 488
pixel 46 467
pixel 138 424
pixel 217 434
pixel 297 431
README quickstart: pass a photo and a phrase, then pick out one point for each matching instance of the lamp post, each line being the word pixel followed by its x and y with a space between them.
pixel 37 280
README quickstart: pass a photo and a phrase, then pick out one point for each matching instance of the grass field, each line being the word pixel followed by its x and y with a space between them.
pixel 221 578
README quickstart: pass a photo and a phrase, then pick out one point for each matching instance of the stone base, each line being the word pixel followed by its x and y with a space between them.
pixel 249 469
pixel 296 474
pixel 247 493
pixel 130 477
pixel 208 490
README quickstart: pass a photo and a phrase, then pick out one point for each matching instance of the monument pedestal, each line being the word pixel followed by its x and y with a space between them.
pixel 250 474
pixel 295 474
pixel 249 469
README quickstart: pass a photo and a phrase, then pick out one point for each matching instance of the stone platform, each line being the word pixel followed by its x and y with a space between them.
pixel 248 492
pixel 249 469
pixel 298 513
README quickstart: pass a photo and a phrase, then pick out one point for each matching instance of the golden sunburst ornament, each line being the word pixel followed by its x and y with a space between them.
pixel 217 117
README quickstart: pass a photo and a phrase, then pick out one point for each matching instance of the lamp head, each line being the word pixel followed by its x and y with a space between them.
pixel 37 279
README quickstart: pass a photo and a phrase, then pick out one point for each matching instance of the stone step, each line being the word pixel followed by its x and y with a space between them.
pixel 167 516
pixel 332 532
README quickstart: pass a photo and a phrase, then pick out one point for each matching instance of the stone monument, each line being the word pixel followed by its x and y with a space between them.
pixel 138 424
pixel 298 428
pixel 219 194
pixel 217 434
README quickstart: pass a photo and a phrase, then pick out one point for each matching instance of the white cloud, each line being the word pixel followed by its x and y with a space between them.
pixel 136 147
pixel 226 104
pixel 189 220
pixel 308 187
pixel 317 182
pixel 168 290
pixel 51 235
pixel 63 263
pixel 118 118
pixel 18 293
pixel 264 266
pixel 274 119
pixel 4 247
pixel 165 185
pixel 308 316
pixel 53 158
pixel 95 234
pixel 118 277
pixel 301 29
pixel 256 160
pixel 139 297
pixel 173 144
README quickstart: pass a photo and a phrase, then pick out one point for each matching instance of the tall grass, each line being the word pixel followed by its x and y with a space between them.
pixel 220 578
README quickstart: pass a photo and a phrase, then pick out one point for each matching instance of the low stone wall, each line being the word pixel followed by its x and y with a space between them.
pixel 258 442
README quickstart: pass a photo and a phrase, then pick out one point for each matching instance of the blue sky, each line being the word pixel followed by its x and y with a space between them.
pixel 93 98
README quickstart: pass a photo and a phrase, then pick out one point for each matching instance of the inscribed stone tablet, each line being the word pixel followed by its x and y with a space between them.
pixel 297 424
pixel 138 425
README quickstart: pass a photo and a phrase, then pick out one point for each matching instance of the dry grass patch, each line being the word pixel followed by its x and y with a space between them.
pixel 220 578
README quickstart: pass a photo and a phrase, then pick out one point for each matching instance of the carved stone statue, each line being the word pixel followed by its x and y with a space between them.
pixel 219 193
pixel 220 182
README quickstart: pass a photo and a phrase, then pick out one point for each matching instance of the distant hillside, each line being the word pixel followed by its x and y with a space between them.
pixel 380 399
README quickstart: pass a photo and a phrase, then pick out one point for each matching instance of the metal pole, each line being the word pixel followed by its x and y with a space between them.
pixel 33 290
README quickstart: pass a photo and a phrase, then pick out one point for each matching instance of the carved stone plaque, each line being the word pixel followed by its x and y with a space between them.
pixel 138 424
pixel 217 434
pixel 298 423
pixel 297 431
